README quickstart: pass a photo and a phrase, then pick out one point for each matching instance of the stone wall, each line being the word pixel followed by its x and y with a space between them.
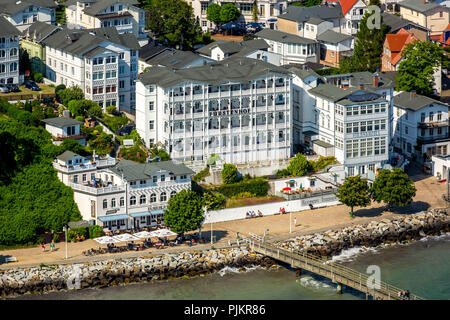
pixel 114 272
pixel 409 227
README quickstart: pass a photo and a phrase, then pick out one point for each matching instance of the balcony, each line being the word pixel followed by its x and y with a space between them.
pixel 74 137
pixel 179 182
pixel 95 191
pixel 433 124
pixel 432 139
pixel 76 168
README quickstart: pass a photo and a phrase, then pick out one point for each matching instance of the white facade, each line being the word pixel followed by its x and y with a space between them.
pixel 268 10
pixel 124 17
pixel 117 203
pixel 241 121
pixel 9 59
pixel 352 18
pixel 440 166
pixel 106 77
pixel 294 52
pixel 428 126
pixel 26 17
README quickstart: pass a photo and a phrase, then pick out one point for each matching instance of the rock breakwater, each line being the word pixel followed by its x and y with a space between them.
pixel 123 271
pixel 373 234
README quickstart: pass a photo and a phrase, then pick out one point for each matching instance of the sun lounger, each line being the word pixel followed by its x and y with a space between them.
pixel 10 259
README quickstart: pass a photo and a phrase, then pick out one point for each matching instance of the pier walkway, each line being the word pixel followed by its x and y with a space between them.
pixel 342 275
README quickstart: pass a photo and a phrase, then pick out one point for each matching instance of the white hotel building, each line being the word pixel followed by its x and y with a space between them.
pixel 123 194
pixel 9 52
pixel 101 62
pixel 238 109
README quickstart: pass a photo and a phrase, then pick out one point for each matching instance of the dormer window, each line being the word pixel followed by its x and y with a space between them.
pixel 111 8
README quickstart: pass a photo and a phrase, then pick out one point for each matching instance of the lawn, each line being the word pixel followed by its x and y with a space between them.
pixel 45 89
pixel 235 203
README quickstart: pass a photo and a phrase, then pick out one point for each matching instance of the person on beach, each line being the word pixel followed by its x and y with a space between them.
pixel 43 247
pixel 399 294
pixel 52 245
pixel 407 294
pixel 295 221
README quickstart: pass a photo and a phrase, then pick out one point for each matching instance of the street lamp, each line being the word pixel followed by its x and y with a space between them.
pixel 290 219
pixel 209 216
pixel 65 230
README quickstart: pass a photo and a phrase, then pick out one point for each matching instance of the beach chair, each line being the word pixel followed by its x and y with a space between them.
pixel 10 259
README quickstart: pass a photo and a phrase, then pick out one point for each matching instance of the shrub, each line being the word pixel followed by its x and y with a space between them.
pixel 95 231
pixel 229 174
pixel 213 201
pixel 298 166
pixel 77 234
pixel 79 118
pixel 40 240
pixel 257 187
pixel 243 195
pixel 111 109
pixel 55 238
pixel 322 162
pixel 201 175
pixel 38 77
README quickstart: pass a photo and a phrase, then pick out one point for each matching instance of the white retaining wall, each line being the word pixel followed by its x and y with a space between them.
pixel 271 208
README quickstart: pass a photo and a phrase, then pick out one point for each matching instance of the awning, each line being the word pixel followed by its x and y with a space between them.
pixel 141 214
pixel 113 217
pixel 155 212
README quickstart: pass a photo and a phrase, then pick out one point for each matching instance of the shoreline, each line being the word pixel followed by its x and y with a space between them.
pixel 200 262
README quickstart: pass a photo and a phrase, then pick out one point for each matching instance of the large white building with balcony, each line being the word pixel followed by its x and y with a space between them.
pixel 420 126
pixel 23 13
pixel 103 63
pixel 123 15
pixel 9 52
pixel 122 194
pixel 239 109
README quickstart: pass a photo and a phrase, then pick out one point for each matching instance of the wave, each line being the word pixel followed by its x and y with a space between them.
pixel 442 237
pixel 351 254
pixel 228 270
pixel 310 282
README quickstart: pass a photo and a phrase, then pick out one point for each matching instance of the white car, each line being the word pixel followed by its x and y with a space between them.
pixel 3 88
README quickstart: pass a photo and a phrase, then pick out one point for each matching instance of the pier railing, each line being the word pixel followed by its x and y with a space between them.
pixel 331 270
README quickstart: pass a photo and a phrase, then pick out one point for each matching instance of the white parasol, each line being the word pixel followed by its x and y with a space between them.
pixel 162 233
pixel 125 237
pixel 106 240
pixel 142 234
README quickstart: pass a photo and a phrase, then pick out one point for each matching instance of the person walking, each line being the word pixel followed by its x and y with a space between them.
pixel 295 221
pixel 52 245
pixel 43 247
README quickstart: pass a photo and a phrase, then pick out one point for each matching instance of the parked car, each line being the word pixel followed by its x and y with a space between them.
pixel 32 85
pixel 13 87
pixel 3 88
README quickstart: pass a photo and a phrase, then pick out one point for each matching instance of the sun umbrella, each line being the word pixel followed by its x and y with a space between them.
pixel 287 189
pixel 142 234
pixel 162 233
pixel 125 237
pixel 106 240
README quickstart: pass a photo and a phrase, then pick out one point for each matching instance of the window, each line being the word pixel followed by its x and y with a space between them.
pixel 111 74
pixel 132 200
pixel 73 70
pixel 151 124
pixel 121 84
pixel 163 177
pixel 142 199
pixel 113 202
pixel 151 105
pixel 155 179
pixel 105 204
pixel 173 193
pixel 439 116
pixel 163 197
pixel 152 198
pixel 122 201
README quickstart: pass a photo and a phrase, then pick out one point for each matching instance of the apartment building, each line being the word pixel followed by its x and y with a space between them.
pixel 9 52
pixel 238 109
pixel 292 48
pixel 32 41
pixel 124 15
pixel 62 128
pixel 426 13
pixel 121 194
pixel 268 10
pixel 22 13
pixel 420 126
pixel 103 63
pixel 393 46
pixel 395 23
pixel 352 11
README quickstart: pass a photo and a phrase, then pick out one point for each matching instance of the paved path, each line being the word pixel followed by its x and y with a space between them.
pixel 429 195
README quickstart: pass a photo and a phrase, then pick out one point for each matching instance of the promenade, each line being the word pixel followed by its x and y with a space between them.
pixel 428 196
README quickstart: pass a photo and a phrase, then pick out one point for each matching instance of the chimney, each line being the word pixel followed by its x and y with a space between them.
pixel 412 94
pixel 66 114
pixel 375 80
pixel 360 85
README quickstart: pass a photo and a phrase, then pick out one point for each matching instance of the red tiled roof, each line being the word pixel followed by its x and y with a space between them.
pixel 397 42
pixel 448 27
pixel 346 5
pixel 435 37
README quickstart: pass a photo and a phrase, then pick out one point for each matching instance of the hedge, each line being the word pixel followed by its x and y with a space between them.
pixel 257 187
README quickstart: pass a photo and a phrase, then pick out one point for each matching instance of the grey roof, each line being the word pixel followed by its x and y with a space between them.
pixel 38 31
pixel 100 5
pixel 128 40
pixel 332 92
pixel 94 52
pixel 7 28
pixel 415 103
pixel 395 23
pixel 175 59
pixel 420 6
pixel 151 49
pixel 365 78
pixel 323 144
pixel 333 36
pixel 303 73
pixel 66 155
pixel 230 47
pixel 140 171
pixel 241 70
pixel 315 21
pixel 302 14
pixel 11 7
pixel 61 122
pixel 283 37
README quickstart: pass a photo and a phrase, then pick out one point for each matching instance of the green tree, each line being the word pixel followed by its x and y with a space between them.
pixel 419 62
pixel 213 201
pixel 213 13
pixel 298 166
pixel 368 48
pixel 111 109
pixel 307 3
pixel 24 61
pixel 184 212
pixel 229 174
pixel 173 22
pixel 393 188
pixel 229 12
pixel 95 110
pixel 354 192
pixel 71 93
pixel 255 12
